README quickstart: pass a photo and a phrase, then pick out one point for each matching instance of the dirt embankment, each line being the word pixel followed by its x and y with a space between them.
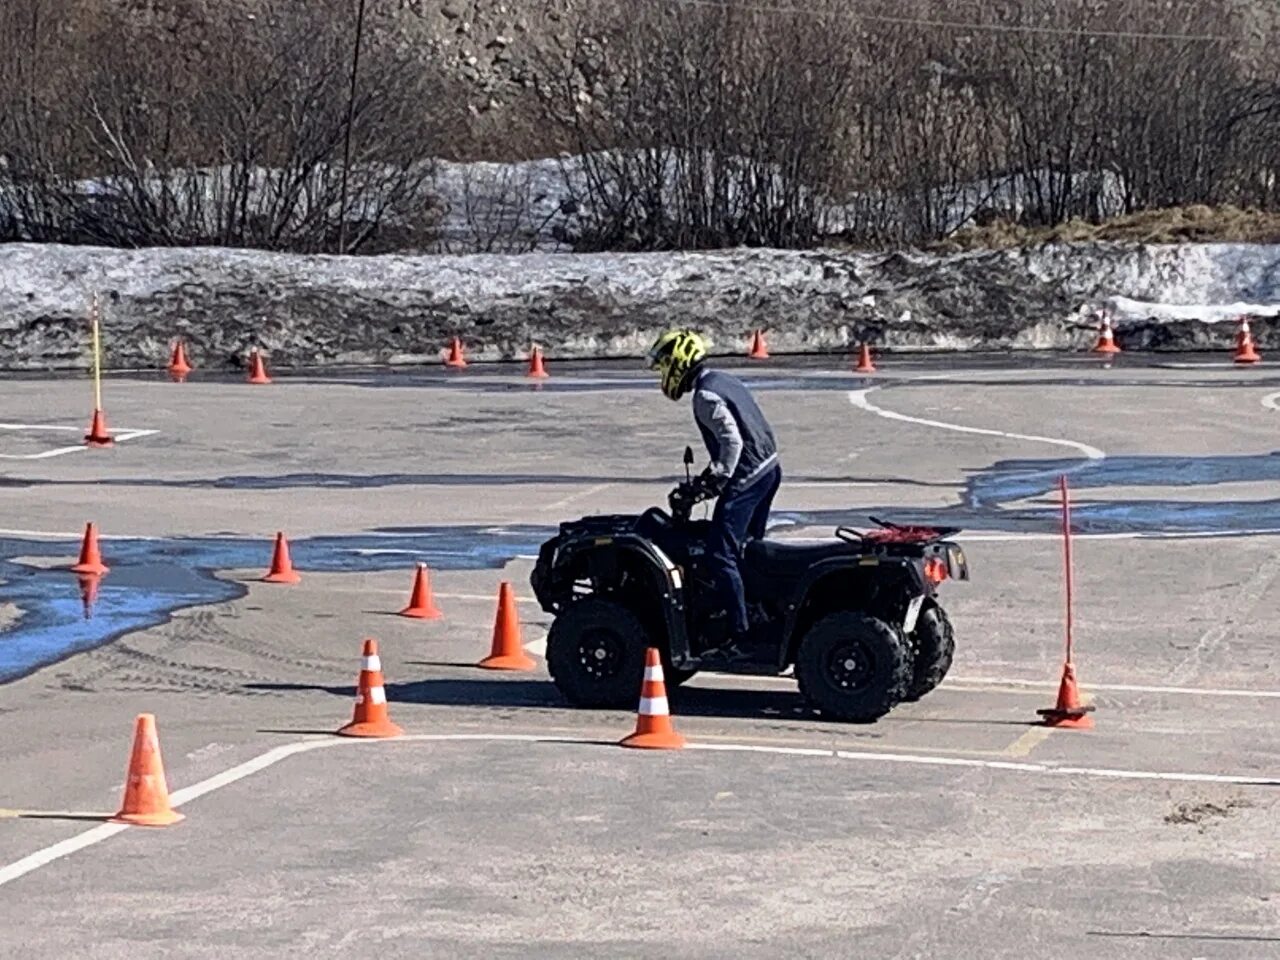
pixel 307 310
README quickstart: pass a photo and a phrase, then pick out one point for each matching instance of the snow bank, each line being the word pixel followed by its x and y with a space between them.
pixel 398 309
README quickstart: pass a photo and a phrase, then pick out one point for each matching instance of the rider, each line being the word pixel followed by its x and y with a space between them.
pixel 744 471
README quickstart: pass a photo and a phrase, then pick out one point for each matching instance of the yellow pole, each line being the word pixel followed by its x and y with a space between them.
pixel 97 355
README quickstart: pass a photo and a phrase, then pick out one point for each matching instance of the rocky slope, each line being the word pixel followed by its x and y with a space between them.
pixel 333 310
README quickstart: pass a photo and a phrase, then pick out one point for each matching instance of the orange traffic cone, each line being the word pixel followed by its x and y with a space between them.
pixel 90 561
pixel 455 358
pixel 1245 352
pixel 1069 711
pixel 421 604
pixel 1106 337
pixel 98 435
pixel 146 795
pixel 654 730
pixel 178 366
pixel 370 718
pixel 536 369
pixel 257 369
pixel 758 350
pixel 281 565
pixel 507 652
pixel 864 361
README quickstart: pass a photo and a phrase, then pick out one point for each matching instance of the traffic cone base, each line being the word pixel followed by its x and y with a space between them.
pixel 654 729
pixel 90 561
pixel 1070 712
pixel 1066 721
pixel 421 604
pixel 1246 352
pixel 758 350
pixel 257 369
pixel 507 652
pixel 146 795
pixel 371 730
pixel 864 361
pixel 98 435
pixel 509 661
pixel 669 740
pixel 281 565
pixel 370 718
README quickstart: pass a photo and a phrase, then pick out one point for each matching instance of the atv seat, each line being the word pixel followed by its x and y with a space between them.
pixel 792 559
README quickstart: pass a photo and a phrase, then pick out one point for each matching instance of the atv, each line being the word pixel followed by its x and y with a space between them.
pixel 857 617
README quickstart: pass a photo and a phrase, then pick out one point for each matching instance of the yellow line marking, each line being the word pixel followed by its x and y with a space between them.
pixel 1023 746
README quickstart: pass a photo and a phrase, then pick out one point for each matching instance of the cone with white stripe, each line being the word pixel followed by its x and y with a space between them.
pixel 1106 344
pixel 1245 350
pixel 370 719
pixel 654 730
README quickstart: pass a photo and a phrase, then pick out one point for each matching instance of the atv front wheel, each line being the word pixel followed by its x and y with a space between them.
pixel 933 645
pixel 595 654
pixel 854 667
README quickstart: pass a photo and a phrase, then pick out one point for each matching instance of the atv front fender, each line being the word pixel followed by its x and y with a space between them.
pixel 565 562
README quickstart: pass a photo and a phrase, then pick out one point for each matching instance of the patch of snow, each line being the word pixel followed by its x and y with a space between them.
pixel 1123 309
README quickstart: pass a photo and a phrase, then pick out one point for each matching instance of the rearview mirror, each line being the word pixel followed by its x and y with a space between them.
pixel 688 456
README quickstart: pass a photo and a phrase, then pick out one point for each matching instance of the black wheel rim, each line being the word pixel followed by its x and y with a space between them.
pixel 850 667
pixel 600 653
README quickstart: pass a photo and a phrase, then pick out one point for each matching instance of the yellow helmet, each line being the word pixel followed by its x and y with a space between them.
pixel 676 353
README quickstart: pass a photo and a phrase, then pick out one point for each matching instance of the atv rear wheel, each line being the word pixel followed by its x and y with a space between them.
pixel 933 645
pixel 595 654
pixel 852 666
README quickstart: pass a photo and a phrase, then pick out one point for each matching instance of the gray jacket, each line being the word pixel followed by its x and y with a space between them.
pixel 738 438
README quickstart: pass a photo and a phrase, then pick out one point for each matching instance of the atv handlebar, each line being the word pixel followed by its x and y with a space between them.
pixel 686 496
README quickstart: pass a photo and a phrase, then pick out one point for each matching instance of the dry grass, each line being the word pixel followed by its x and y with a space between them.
pixel 1193 224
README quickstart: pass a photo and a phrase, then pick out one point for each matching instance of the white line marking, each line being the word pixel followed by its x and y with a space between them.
pixel 58 850
pixel 38 426
pixel 836 484
pixel 121 435
pixel 1091 454
pixel 859 399
pixel 1114 687
pixel 1271 401
pixel 79 534
pixel 1057 537
pixel 956 684
pixel 575 497
pixel 102 832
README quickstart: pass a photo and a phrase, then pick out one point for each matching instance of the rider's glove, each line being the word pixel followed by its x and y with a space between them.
pixel 712 482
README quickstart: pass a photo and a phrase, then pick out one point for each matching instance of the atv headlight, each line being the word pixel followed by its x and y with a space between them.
pixel 913 614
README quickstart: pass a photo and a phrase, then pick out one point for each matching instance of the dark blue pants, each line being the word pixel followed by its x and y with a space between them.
pixel 739 515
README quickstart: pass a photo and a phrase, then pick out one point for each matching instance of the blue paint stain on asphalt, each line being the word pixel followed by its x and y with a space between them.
pixel 151 579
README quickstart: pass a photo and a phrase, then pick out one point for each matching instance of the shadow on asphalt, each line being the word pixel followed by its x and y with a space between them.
pixel 542 694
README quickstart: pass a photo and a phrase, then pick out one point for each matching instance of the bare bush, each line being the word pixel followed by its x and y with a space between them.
pixel 229 130
pixel 699 126
pixel 685 124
